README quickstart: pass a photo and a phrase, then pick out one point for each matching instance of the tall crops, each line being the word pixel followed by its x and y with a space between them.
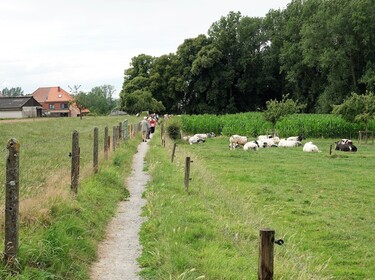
pixel 253 124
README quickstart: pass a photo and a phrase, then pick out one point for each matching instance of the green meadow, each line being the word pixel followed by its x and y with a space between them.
pixel 59 232
pixel 322 206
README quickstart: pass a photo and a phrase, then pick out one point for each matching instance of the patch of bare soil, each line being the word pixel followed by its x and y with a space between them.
pixel 120 249
pixel 22 120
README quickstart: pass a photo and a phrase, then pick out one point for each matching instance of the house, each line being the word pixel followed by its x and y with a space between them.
pixel 57 102
pixel 20 107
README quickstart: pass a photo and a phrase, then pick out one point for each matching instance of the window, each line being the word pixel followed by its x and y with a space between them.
pixel 52 106
pixel 64 106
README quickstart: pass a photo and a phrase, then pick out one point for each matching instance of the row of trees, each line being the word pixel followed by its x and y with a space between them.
pixel 99 100
pixel 12 92
pixel 317 51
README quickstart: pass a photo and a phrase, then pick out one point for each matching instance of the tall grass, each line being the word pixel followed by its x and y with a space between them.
pixel 45 148
pixel 320 205
pixel 58 233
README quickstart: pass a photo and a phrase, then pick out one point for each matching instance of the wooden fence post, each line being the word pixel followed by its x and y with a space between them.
pixel 265 261
pixel 120 131
pixel 96 149
pixel 114 138
pixel 75 162
pixel 12 203
pixel 125 132
pixel 106 142
pixel 187 173
pixel 173 151
pixel 330 149
pixel 162 134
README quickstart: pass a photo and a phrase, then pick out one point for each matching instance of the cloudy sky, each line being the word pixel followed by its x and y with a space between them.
pixel 91 42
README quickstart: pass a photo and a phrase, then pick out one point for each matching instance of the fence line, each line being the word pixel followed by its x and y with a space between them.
pixel 262 268
pixel 12 182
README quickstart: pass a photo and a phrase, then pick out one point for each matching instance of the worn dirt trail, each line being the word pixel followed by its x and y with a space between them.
pixel 120 249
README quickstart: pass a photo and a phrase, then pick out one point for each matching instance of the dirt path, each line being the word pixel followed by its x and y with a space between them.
pixel 120 249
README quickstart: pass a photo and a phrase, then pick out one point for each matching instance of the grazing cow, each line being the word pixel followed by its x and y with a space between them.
pixel 196 140
pixel 346 146
pixel 310 147
pixel 237 140
pixel 289 143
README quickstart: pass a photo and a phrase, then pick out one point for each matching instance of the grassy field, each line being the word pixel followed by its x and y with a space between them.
pixel 59 233
pixel 321 205
pixel 45 146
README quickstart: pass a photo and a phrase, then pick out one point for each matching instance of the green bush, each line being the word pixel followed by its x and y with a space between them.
pixel 173 128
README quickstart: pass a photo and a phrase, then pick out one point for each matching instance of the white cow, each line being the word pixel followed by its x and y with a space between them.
pixel 252 145
pixel 237 140
pixel 196 140
pixel 310 147
pixel 289 143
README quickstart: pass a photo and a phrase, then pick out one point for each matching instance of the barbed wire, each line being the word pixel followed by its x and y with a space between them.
pixel 237 210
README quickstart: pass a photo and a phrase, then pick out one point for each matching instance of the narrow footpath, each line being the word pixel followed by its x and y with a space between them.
pixel 119 251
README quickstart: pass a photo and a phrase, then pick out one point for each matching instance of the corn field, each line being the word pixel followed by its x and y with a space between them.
pixel 253 124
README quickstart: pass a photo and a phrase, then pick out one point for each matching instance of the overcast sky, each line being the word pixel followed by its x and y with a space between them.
pixel 90 43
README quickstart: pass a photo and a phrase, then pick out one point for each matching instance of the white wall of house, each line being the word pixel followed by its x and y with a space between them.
pixel 29 112
pixel 11 114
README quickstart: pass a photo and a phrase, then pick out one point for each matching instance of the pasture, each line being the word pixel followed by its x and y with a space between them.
pixel 59 232
pixel 321 205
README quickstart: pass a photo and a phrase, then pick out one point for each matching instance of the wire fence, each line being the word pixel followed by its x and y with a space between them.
pixel 226 200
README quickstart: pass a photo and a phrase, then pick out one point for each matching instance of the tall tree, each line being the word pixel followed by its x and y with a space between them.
pixel 185 82
pixel 81 102
pixel 224 72
pixel 12 92
pixel 100 99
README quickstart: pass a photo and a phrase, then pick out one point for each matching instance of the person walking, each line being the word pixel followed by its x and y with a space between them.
pixel 145 126
pixel 152 125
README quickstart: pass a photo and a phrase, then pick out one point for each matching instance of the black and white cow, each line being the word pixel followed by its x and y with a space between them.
pixel 345 145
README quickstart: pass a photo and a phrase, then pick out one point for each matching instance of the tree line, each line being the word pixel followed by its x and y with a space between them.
pixel 318 52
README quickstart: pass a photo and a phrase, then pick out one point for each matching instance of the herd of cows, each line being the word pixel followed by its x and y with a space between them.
pixel 266 141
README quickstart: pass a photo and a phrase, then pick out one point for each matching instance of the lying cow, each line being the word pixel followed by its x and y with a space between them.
pixel 289 143
pixel 254 145
pixel 310 148
pixel 296 138
pixel 205 135
pixel 345 146
pixel 196 140
pixel 236 141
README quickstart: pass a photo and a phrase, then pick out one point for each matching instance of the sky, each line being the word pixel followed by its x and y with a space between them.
pixel 89 43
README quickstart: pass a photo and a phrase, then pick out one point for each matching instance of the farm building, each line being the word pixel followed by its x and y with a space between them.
pixel 57 102
pixel 20 107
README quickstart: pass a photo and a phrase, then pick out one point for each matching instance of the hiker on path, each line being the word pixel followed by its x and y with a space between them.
pixel 145 127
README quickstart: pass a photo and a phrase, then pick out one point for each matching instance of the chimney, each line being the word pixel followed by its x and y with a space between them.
pixel 58 89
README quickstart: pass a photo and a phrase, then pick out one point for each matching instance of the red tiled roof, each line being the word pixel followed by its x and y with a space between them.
pixel 51 94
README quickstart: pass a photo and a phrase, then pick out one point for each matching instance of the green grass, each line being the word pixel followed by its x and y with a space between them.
pixel 61 240
pixel 321 205
pixel 45 147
